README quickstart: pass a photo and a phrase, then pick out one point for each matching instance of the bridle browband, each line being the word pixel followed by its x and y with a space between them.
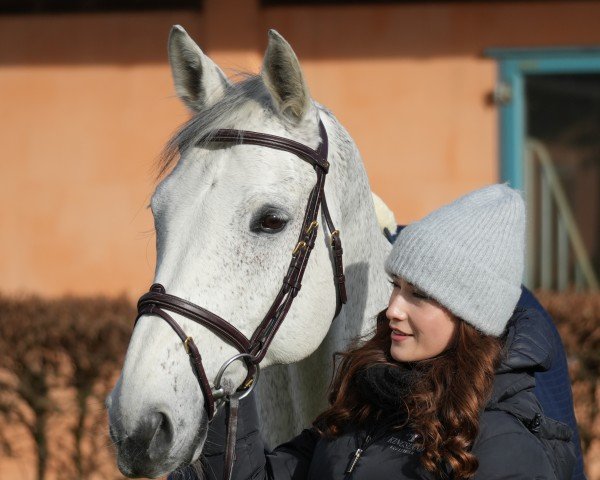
pixel 157 301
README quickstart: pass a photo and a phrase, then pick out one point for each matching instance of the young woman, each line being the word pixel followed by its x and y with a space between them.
pixel 444 388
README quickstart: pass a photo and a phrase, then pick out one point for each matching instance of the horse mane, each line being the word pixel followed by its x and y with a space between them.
pixel 231 109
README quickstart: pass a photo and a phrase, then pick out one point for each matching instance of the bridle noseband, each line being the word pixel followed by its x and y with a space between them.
pixel 157 301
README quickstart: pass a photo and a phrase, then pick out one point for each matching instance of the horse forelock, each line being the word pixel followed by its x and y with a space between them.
pixel 236 109
pixel 236 100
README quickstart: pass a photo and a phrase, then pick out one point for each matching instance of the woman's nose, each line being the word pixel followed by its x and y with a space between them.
pixel 397 315
pixel 396 310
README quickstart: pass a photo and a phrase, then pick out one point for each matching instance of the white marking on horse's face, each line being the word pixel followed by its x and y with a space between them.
pixel 210 252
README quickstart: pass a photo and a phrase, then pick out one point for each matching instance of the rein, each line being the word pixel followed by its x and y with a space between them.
pixel 252 350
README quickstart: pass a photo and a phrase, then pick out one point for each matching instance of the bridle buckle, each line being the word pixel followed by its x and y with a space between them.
pixel 314 224
pixel 299 247
pixel 248 384
pixel 333 234
pixel 186 344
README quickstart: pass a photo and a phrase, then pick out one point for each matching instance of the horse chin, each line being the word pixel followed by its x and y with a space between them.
pixel 150 472
pixel 144 466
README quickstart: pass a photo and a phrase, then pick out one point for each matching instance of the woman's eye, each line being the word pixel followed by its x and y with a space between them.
pixel 421 295
pixel 394 284
pixel 271 223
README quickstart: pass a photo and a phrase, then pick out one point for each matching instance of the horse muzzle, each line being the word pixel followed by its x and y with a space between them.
pixel 146 450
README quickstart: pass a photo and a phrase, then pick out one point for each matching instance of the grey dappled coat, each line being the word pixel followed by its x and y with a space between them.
pixel 515 440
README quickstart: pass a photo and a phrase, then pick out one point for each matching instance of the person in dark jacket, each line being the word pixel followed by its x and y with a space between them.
pixel 507 446
pixel 445 387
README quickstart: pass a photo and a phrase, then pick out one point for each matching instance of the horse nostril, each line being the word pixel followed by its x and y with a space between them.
pixel 148 444
pixel 163 434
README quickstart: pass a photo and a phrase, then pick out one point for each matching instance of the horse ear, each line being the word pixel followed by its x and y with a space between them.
pixel 283 77
pixel 199 82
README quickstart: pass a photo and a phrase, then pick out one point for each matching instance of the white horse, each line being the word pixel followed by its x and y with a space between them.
pixel 226 222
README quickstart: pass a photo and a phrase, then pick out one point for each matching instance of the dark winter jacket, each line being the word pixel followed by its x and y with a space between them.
pixel 515 441
pixel 553 386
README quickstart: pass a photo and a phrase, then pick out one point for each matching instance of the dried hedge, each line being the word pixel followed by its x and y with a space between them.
pixel 58 361
pixel 577 316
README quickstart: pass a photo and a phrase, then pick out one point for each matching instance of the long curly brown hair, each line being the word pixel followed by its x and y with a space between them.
pixel 448 395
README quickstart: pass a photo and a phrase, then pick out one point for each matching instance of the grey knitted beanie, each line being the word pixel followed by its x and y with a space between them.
pixel 468 256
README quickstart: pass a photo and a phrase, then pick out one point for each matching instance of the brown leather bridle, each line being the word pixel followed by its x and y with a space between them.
pixel 253 350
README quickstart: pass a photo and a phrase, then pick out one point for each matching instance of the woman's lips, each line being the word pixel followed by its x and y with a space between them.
pixel 399 336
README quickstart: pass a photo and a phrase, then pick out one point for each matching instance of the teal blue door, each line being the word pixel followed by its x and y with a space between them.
pixel 549 107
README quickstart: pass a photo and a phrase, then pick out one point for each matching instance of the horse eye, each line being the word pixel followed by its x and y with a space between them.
pixel 271 223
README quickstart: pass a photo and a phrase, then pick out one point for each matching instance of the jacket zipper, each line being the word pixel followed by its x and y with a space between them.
pixel 359 451
pixel 368 441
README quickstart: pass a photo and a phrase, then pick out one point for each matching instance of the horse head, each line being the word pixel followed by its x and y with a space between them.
pixel 227 217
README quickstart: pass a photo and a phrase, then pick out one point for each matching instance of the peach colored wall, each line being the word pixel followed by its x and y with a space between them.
pixel 87 103
pixel 86 108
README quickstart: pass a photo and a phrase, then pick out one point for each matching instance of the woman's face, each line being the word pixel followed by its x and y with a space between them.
pixel 420 327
